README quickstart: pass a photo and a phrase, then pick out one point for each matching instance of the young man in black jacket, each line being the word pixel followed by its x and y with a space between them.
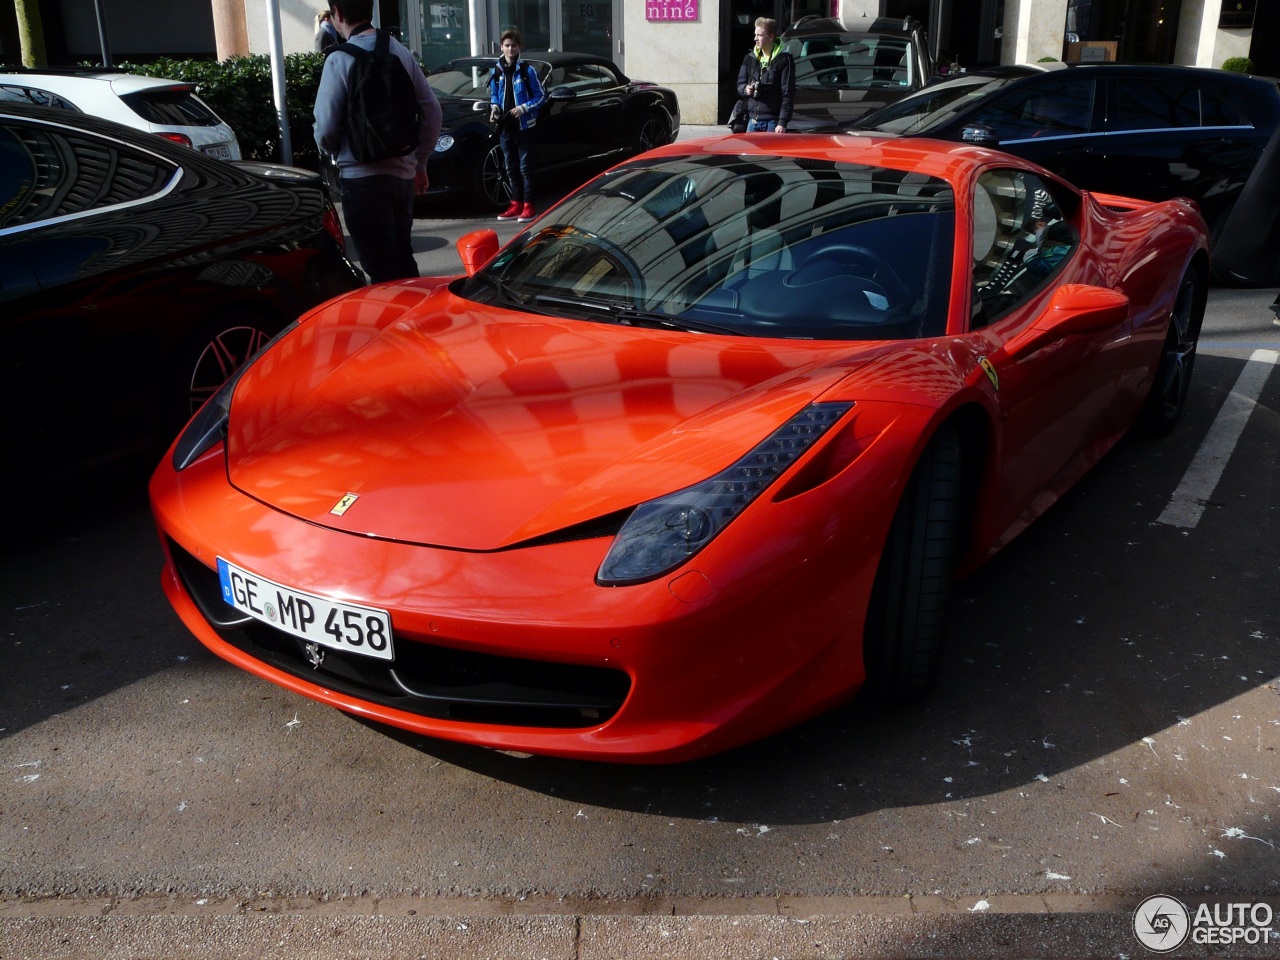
pixel 767 81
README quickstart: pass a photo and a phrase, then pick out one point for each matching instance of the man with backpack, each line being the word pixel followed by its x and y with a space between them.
pixel 377 115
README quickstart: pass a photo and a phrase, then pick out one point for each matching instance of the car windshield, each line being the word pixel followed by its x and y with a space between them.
pixel 852 62
pixel 469 78
pixel 932 106
pixel 748 246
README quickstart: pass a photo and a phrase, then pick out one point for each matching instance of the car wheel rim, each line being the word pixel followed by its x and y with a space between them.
pixel 222 356
pixel 652 134
pixel 1180 349
pixel 493 177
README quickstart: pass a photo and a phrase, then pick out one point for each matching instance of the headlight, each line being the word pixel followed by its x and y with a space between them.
pixel 209 425
pixel 444 142
pixel 664 533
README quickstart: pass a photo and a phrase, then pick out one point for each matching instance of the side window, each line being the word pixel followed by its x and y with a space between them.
pixel 42 98
pixel 63 173
pixel 1152 105
pixel 585 78
pixel 1216 112
pixel 1021 235
pixel 1056 108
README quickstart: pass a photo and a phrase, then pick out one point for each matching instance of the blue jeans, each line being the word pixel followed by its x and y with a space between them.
pixel 517 147
pixel 761 126
pixel 378 211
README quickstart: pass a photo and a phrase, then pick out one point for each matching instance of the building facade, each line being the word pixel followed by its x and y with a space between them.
pixel 693 46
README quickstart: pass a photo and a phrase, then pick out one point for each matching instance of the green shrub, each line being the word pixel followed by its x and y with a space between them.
pixel 1047 60
pixel 1238 65
pixel 239 89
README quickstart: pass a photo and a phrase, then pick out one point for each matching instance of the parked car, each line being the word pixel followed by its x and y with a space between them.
pixel 594 116
pixel 167 108
pixel 843 73
pixel 691 459
pixel 1152 132
pixel 135 276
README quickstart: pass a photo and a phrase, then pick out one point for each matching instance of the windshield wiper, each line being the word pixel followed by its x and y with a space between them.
pixel 502 288
pixel 633 317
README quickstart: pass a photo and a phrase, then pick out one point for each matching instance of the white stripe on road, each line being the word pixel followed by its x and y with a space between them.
pixel 1201 478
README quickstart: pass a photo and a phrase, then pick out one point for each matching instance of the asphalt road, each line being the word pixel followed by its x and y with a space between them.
pixel 1105 730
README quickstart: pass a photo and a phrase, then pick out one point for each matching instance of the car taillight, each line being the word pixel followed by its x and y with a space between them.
pixel 334 226
pixel 179 138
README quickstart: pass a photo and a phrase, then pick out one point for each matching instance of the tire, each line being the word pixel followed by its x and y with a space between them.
pixel 902 641
pixel 490 189
pixel 1172 381
pixel 210 356
pixel 654 131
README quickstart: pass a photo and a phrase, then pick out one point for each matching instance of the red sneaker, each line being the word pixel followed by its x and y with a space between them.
pixel 512 211
pixel 526 213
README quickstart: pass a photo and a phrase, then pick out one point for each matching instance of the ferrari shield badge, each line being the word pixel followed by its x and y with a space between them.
pixel 986 365
pixel 343 505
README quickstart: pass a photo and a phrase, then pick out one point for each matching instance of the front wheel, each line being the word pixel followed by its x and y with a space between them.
pixel 1168 396
pixel 902 642
pixel 490 187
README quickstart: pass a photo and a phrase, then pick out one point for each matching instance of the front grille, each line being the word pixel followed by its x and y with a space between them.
pixel 425 678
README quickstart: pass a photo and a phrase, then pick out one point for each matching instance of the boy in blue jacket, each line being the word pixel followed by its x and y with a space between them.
pixel 515 95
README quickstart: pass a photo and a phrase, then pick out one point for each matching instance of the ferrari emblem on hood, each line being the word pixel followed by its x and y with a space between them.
pixel 343 505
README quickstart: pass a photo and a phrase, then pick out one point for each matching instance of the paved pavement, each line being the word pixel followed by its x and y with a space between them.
pixel 157 915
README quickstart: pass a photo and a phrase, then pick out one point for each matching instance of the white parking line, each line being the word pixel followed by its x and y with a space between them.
pixel 1202 476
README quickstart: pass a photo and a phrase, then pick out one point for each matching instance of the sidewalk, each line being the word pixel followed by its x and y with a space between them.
pixel 405 928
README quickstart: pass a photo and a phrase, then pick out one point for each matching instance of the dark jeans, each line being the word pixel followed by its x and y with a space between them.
pixel 379 215
pixel 517 146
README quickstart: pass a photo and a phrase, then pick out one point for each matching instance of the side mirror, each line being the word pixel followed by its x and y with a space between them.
pixel 476 249
pixel 979 134
pixel 1075 308
pixel 480 105
pixel 562 93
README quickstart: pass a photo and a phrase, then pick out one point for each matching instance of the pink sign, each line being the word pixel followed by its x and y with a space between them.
pixel 671 9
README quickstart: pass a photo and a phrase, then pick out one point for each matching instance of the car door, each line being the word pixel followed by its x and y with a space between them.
pixel 1053 121
pixel 583 120
pixel 1054 398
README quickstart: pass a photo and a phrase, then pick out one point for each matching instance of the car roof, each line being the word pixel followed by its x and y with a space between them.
pixel 1159 71
pixel 66 81
pixel 557 58
pixel 824 26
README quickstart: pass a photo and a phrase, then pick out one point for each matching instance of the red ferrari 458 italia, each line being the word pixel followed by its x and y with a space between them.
pixel 695 457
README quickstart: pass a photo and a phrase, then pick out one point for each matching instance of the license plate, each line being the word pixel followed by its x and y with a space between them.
pixel 331 623
pixel 219 150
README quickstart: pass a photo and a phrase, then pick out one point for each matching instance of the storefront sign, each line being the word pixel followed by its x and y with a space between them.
pixel 671 9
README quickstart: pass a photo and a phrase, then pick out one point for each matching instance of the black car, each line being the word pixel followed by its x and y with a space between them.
pixel 843 73
pixel 594 116
pixel 135 276
pixel 1150 132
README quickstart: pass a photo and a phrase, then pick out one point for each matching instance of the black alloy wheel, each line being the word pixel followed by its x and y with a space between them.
pixel 1172 381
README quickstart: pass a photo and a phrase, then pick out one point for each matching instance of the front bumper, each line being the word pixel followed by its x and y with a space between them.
pixel 520 649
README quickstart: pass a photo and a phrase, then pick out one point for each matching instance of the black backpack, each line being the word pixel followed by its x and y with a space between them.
pixel 382 107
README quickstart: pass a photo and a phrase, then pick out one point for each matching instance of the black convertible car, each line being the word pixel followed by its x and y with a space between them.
pixel 135 276
pixel 594 117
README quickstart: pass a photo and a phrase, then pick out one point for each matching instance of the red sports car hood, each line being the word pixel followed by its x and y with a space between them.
pixel 470 427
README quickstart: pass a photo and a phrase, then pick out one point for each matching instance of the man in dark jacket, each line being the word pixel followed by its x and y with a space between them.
pixel 767 81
